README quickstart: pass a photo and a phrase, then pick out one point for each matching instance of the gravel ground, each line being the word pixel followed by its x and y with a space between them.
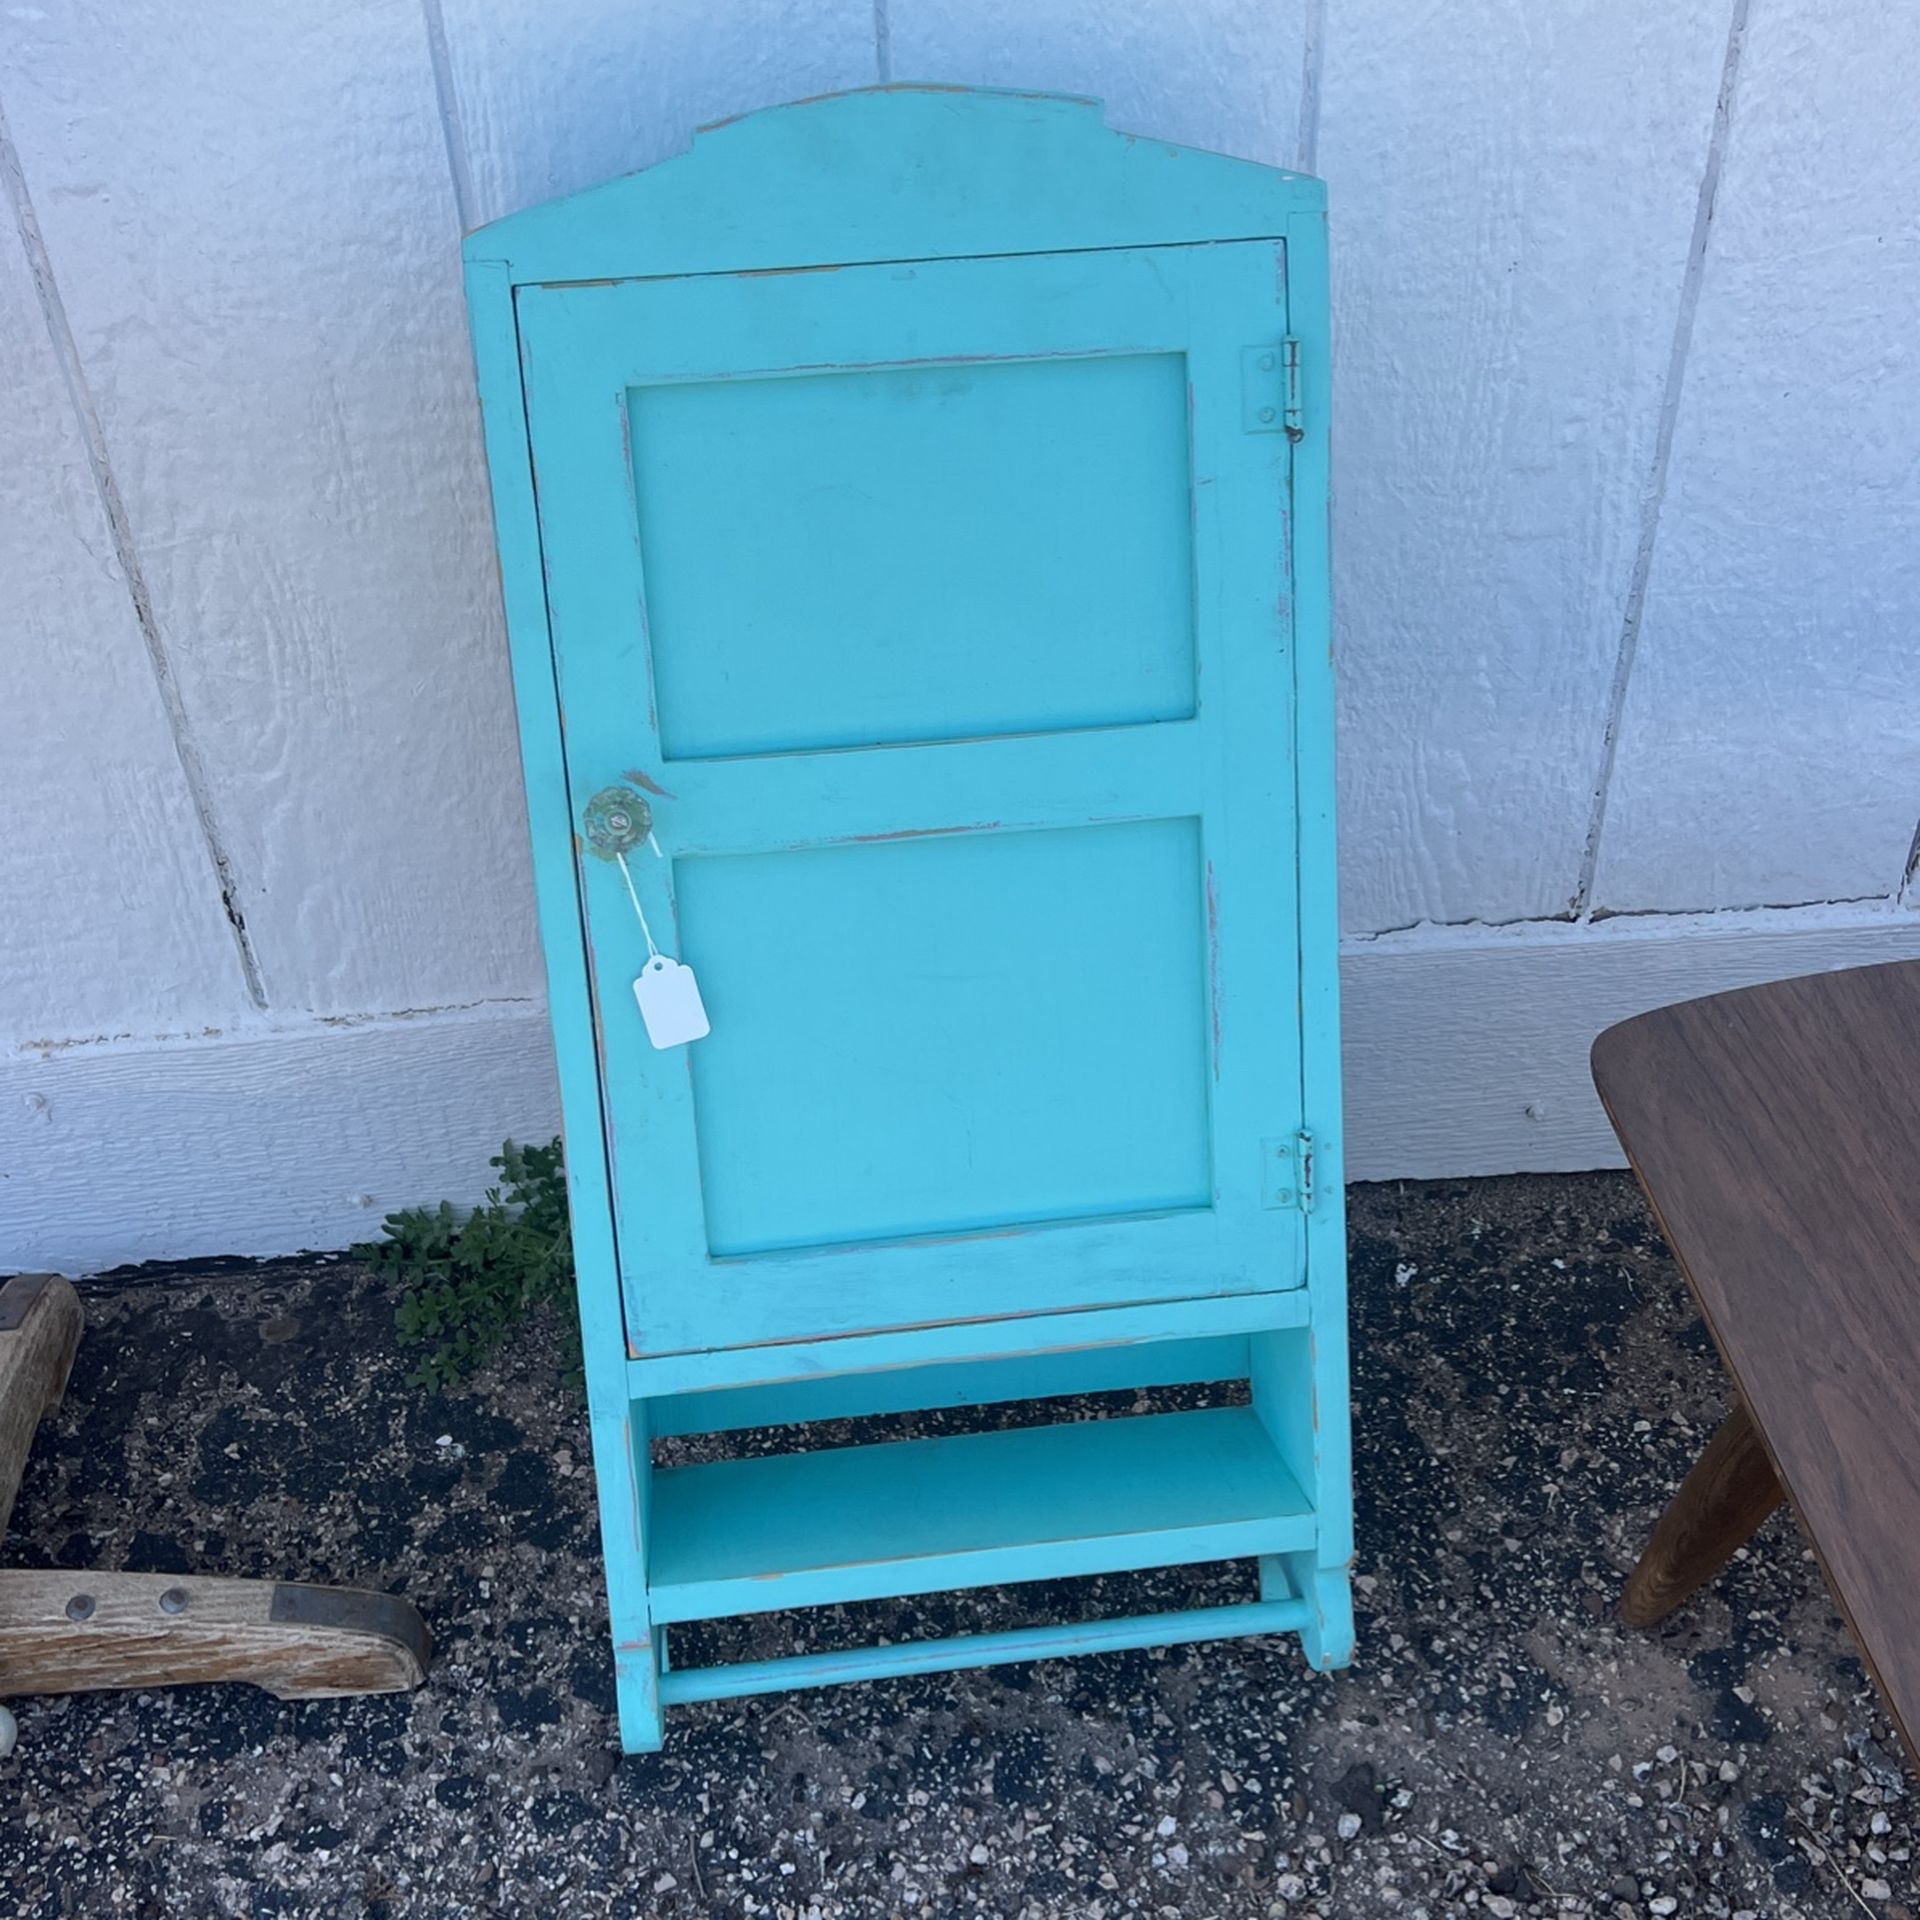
pixel 1530 1384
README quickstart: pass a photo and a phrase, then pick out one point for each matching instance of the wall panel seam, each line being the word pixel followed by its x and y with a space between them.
pixel 86 416
pixel 453 128
pixel 1313 40
pixel 1653 499
pixel 1686 923
pixel 456 1013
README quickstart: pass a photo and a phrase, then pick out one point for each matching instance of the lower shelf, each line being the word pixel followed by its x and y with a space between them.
pixel 915 1516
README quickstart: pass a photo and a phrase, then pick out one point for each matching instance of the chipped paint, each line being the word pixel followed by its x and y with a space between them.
pixel 912 833
pixel 47 1048
pixel 1213 965
pixel 790 273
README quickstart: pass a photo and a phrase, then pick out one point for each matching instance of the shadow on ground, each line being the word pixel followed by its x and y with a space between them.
pixel 1530 1383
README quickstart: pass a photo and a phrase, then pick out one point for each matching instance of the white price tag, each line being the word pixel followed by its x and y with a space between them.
pixel 670 1003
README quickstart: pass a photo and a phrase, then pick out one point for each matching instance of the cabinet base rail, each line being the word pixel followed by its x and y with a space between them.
pixel 678 1686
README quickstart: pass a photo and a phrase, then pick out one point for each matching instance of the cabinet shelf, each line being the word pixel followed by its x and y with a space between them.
pixel 967 1510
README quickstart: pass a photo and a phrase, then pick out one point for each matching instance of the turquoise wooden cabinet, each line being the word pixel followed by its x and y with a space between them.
pixel 912 516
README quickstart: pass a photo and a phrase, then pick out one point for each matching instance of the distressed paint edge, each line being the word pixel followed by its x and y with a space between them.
pixel 1007 1338
pixel 1321 1062
pixel 621 1456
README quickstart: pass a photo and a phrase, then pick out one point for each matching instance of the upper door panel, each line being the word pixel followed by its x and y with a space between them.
pixel 930 525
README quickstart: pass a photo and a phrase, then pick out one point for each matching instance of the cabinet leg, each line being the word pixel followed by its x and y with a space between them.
pixel 1731 1489
pixel 1327 1638
pixel 636 1681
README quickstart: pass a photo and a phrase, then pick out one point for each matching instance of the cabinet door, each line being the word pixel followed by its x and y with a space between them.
pixel 940 609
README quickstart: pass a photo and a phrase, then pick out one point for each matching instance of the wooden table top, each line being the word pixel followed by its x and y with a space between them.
pixel 1777 1132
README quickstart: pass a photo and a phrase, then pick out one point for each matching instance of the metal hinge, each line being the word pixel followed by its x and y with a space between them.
pixel 1270 389
pixel 1286 1177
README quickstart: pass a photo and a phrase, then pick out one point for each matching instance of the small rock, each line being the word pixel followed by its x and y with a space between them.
pixel 1885 1773
pixel 1347 1826
pixel 978 1854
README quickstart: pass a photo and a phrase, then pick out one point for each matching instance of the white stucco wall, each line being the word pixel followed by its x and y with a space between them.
pixel 1628 529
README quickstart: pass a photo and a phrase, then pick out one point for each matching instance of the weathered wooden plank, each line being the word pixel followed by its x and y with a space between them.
pixel 40 1323
pixel 550 98
pixel 1223 74
pixel 73 1632
pixel 250 216
pixel 1771 729
pixel 1513 194
pixel 113 920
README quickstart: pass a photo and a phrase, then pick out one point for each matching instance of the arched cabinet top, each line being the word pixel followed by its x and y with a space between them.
pixel 895 173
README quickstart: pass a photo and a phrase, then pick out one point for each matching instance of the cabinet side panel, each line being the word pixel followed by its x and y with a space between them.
pixel 618 1458
pixel 1307 309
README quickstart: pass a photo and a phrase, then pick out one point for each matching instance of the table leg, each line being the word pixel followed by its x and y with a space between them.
pixel 1731 1489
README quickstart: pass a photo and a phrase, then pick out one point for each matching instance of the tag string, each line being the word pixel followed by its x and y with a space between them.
pixel 640 912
